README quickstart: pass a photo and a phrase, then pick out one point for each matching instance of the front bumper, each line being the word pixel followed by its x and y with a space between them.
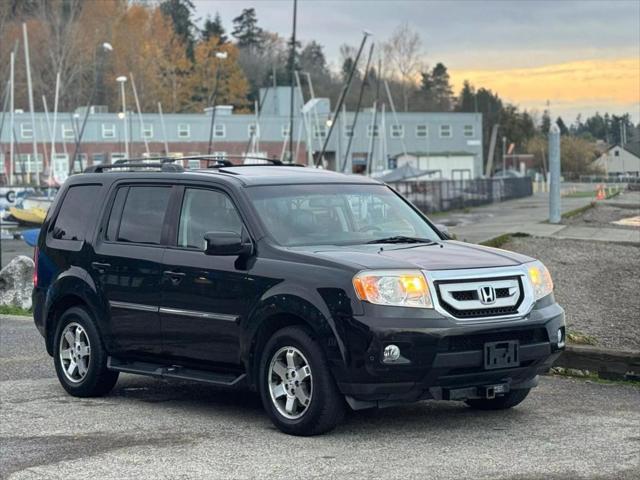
pixel 446 359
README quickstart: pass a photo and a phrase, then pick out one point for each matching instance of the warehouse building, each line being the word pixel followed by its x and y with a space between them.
pixel 450 143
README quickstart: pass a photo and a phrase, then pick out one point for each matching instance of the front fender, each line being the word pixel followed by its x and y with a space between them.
pixel 322 310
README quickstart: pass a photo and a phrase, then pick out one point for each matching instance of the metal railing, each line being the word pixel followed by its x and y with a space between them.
pixel 445 195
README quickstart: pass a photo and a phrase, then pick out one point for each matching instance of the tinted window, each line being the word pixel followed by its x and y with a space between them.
pixel 205 211
pixel 116 214
pixel 76 212
pixel 143 215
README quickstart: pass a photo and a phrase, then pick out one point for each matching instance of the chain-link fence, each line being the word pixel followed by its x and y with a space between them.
pixel 444 195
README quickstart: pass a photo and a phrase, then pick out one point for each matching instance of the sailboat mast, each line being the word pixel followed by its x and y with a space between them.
pixel 135 96
pixel 11 117
pixel 30 91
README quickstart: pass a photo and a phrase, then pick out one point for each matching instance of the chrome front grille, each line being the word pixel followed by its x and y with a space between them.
pixel 481 294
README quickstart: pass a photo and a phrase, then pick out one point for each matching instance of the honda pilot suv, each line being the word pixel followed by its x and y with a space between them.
pixel 321 291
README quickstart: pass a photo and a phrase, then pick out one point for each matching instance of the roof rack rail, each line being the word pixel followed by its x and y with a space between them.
pixel 163 166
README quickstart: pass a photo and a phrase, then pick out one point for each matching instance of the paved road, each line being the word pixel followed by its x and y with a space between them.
pixel 154 429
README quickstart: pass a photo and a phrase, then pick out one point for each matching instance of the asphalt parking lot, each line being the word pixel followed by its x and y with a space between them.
pixel 148 428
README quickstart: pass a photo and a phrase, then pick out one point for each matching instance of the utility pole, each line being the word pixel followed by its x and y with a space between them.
pixel 292 78
pixel 121 80
pixel 12 118
pixel 504 156
pixel 554 173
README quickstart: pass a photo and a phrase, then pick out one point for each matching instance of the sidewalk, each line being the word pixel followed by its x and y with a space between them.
pixel 522 215
pixel 529 215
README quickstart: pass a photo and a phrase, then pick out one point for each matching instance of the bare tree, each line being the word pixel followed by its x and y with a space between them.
pixel 403 51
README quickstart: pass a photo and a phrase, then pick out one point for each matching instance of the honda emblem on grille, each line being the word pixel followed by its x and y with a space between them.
pixel 487 295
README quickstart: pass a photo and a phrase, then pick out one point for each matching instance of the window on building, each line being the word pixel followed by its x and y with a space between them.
pixel 205 211
pixel 26 130
pixel 253 130
pixel 348 131
pixel 397 131
pixel 221 155
pixel 108 130
pixel 98 158
pixel 76 212
pixel 60 164
pixel 193 164
pixel 26 163
pixel 372 130
pixel 143 215
pixel 469 131
pixel 319 131
pixel 67 132
pixel 445 131
pixel 616 153
pixel 147 130
pixel 2 165
pixel 219 130
pixel 421 131
pixel 184 130
pixel 80 162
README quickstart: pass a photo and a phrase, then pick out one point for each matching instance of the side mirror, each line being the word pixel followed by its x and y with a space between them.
pixel 226 243
pixel 443 229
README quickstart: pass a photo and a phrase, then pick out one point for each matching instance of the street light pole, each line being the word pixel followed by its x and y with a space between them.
pixel 219 56
pixel 122 80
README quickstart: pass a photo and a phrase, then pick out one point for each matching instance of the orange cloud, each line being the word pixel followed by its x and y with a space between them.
pixel 613 83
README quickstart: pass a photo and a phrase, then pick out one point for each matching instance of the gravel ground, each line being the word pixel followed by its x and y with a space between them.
pixel 597 283
pixel 603 216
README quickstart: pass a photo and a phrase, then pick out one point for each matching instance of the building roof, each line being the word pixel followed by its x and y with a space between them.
pixel 632 147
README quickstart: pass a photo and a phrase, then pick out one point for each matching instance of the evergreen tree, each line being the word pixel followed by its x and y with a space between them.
pixel 311 59
pixel 427 89
pixel 246 30
pixel 562 126
pixel 214 28
pixel 180 12
pixel 467 98
pixel 442 91
pixel 546 122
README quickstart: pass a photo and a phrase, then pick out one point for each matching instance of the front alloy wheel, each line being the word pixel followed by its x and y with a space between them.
pixel 75 352
pixel 290 382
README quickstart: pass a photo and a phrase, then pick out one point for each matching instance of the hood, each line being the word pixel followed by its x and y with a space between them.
pixel 448 255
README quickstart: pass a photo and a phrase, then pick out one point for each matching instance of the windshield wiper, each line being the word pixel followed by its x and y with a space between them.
pixel 403 239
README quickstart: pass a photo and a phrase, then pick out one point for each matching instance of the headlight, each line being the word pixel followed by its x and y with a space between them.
pixel 540 279
pixel 402 288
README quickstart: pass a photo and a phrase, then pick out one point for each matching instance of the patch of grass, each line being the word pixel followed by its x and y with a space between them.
pixel 614 194
pixel 590 193
pixel 11 310
pixel 499 241
pixel 590 376
pixel 579 338
pixel 578 211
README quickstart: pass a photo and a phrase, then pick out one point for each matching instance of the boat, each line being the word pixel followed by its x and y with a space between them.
pixel 28 216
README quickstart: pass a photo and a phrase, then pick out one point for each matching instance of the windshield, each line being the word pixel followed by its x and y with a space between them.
pixel 338 214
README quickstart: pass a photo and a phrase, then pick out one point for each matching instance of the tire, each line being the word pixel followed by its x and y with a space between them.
pixel 312 382
pixel 511 399
pixel 83 346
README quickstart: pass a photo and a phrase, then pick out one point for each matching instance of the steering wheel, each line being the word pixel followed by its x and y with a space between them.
pixel 367 228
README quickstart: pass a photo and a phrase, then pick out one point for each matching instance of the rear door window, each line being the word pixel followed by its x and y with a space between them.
pixel 76 213
pixel 143 215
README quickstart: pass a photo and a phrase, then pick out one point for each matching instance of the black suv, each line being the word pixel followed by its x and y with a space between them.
pixel 319 290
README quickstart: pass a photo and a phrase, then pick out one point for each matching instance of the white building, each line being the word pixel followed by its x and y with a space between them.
pixel 621 160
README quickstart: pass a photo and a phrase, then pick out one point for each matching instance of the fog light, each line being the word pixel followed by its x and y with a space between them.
pixel 560 338
pixel 391 353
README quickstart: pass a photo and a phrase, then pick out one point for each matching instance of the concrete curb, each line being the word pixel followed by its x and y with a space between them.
pixel 609 364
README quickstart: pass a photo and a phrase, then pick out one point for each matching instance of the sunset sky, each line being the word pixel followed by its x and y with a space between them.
pixel 582 56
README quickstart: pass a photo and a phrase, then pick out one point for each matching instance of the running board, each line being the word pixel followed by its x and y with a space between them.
pixel 175 371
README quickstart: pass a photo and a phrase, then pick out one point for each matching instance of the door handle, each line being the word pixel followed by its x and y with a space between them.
pixel 175 277
pixel 100 267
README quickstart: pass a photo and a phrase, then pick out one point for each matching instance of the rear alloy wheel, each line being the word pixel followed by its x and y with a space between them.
pixel 297 388
pixel 75 352
pixel 79 356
